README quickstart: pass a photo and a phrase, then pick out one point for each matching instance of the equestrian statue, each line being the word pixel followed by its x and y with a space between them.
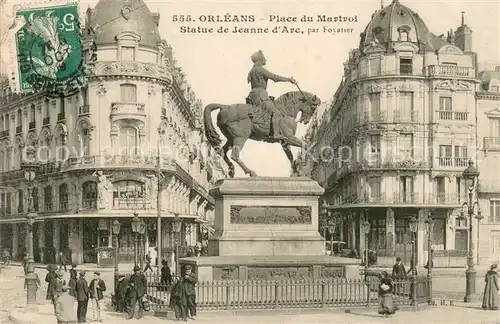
pixel 261 118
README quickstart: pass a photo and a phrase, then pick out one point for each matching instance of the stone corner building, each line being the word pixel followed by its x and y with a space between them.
pixel 406 111
pixel 137 109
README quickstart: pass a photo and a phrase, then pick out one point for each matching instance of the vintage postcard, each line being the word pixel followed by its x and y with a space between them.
pixel 249 161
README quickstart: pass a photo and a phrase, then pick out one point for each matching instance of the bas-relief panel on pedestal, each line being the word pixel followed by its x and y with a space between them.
pixel 276 273
pixel 271 214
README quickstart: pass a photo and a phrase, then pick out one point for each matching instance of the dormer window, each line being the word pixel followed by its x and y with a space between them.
pixel 127 46
pixel 403 36
pixel 494 88
pixel 404 33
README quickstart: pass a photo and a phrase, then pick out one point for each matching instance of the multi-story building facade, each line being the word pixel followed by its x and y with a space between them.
pixel 488 137
pixel 397 138
pixel 108 150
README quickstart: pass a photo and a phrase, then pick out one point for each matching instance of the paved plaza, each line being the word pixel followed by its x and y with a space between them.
pixel 13 299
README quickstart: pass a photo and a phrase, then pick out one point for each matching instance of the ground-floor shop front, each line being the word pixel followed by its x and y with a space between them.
pixel 390 235
pixel 81 239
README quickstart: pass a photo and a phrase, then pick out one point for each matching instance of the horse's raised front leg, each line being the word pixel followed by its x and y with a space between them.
pixel 230 164
pixel 238 144
pixel 289 155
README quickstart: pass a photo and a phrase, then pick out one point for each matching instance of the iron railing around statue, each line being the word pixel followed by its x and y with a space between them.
pixel 292 293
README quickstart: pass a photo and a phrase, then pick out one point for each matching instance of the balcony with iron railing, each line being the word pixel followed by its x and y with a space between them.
pixel 46 121
pixel 127 108
pixel 491 143
pixel 452 115
pixel 133 203
pixel 32 125
pixel 118 161
pixel 19 129
pixel 408 117
pixel 4 133
pixel 451 71
pixel 61 117
pixel 451 200
pixel 84 110
pixel 452 162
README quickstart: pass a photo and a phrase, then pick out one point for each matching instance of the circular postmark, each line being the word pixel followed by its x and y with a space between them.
pixel 50 50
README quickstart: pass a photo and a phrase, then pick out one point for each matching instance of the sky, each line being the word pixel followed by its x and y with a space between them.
pixel 217 64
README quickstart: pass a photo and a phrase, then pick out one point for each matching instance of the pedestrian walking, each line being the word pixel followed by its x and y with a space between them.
pixel 96 289
pixel 25 263
pixel 63 262
pixel 490 298
pixel 51 280
pixel 121 301
pixel 6 258
pixel 189 281
pixel 73 276
pixel 178 299
pixel 65 311
pixel 137 286
pixel 398 274
pixel 386 306
pixel 82 298
pixel 148 262
pixel 165 276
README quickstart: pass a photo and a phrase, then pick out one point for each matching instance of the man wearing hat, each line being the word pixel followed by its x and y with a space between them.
pixel 64 310
pixel 189 281
pixel 82 297
pixel 137 286
pixel 96 289
pixel 258 77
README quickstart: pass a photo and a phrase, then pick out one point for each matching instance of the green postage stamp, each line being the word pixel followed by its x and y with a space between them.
pixel 49 49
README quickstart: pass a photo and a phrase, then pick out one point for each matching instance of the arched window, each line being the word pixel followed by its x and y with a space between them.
pixel 128 141
pixel 19 118
pixel 47 198
pixel 129 194
pixel 34 195
pixel 61 148
pixel 85 138
pixel 89 196
pixel 128 92
pixel 63 197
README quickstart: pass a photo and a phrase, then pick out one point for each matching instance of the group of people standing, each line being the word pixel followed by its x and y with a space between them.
pixel 63 295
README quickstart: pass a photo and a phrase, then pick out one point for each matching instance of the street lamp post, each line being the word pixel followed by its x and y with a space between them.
pixel 176 227
pixel 142 249
pixel 331 230
pixel 136 224
pixel 413 229
pixel 323 212
pixel 430 228
pixel 30 170
pixel 366 229
pixel 116 231
pixel 470 175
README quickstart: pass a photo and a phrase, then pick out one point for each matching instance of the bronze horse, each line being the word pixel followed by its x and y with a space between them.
pixel 240 122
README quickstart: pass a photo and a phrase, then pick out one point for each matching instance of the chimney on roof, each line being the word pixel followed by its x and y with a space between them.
pixel 463 18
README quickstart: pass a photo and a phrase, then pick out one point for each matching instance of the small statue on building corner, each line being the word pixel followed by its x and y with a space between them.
pixel 152 189
pixel 102 189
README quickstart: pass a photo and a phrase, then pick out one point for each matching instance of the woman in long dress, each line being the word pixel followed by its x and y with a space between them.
pixel 386 289
pixel 490 298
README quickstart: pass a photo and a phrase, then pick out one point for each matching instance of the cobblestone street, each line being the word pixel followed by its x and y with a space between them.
pixel 12 292
pixel 13 297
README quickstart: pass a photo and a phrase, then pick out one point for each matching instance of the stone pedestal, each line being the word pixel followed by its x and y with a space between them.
pixel 266 217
